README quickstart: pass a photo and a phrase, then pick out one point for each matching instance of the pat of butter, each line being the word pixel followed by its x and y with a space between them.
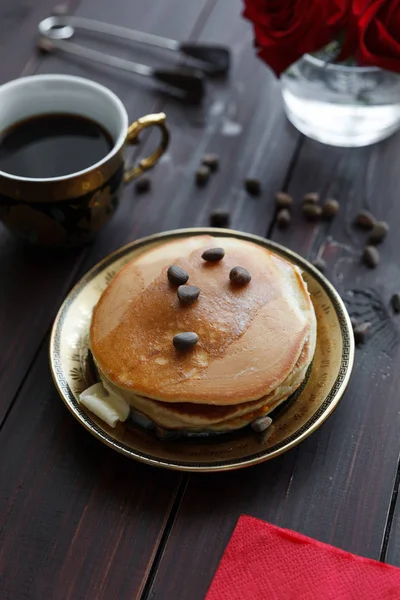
pixel 108 407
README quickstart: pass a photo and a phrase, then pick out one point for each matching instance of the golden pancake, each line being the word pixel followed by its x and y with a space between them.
pixel 250 338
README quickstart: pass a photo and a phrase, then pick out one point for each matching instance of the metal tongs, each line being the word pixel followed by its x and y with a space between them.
pixel 186 82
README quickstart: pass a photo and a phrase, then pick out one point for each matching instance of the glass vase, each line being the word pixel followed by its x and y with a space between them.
pixel 341 105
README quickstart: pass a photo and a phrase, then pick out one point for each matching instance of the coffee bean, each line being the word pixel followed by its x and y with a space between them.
pixel 213 254
pixel 365 220
pixel 166 434
pixel 202 176
pixel 176 275
pixel 211 161
pixel 310 198
pixel 143 184
pixel 185 341
pixel 371 257
pixel 320 264
pixel 283 200
pixel 187 294
pixel 378 233
pixel 261 424
pixel 330 208
pixel 252 186
pixel 240 276
pixel 312 212
pixel 396 303
pixel 220 218
pixel 360 332
pixel 283 218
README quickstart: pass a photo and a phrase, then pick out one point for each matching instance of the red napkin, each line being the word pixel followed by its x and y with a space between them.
pixel 264 562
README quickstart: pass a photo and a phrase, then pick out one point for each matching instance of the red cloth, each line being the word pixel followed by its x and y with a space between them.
pixel 264 562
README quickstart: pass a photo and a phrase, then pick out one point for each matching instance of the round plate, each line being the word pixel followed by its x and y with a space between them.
pixel 292 422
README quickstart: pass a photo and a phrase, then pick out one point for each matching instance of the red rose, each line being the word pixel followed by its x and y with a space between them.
pixel 379 33
pixel 287 29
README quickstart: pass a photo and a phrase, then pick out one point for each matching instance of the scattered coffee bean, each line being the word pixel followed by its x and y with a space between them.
pixel 213 254
pixel 185 341
pixel 360 332
pixel 396 303
pixel 320 264
pixel 371 257
pixel 310 198
pixel 312 212
pixel 261 424
pixel 176 275
pixel 202 176
pixel 211 161
pixel 187 294
pixel 166 434
pixel 252 186
pixel 240 276
pixel 45 46
pixel 330 208
pixel 354 322
pixel 365 220
pixel 220 218
pixel 378 232
pixel 283 200
pixel 283 218
pixel 143 184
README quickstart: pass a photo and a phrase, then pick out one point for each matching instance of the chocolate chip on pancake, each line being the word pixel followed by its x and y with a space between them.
pixel 213 254
pixel 188 294
pixel 240 276
pixel 176 275
pixel 186 340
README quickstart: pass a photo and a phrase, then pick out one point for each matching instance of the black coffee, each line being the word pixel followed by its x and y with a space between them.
pixel 52 145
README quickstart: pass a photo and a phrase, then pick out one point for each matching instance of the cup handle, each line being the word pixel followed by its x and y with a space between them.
pixel 132 138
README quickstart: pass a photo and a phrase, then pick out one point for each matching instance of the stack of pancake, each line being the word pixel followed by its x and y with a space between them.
pixel 255 344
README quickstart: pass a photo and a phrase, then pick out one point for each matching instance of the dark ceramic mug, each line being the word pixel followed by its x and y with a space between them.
pixel 70 210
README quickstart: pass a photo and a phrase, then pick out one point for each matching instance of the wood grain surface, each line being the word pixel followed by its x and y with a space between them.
pixel 78 521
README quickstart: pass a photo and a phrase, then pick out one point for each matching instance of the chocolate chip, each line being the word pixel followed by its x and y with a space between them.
pixel 252 186
pixel 312 212
pixel 220 218
pixel 310 198
pixel 240 276
pixel 143 184
pixel 176 275
pixel 360 332
pixel 213 254
pixel 211 161
pixel 45 46
pixel 365 220
pixel 202 176
pixel 378 233
pixel 395 300
pixel 186 340
pixel 166 434
pixel 283 200
pixel 187 294
pixel 330 208
pixel 283 218
pixel 371 257
pixel 320 264
pixel 261 424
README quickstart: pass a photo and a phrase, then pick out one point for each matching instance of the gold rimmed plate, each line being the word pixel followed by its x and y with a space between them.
pixel 293 421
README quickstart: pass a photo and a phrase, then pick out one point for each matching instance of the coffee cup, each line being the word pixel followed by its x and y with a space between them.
pixel 69 209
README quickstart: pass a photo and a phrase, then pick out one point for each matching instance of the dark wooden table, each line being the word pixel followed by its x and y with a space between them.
pixel 79 521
